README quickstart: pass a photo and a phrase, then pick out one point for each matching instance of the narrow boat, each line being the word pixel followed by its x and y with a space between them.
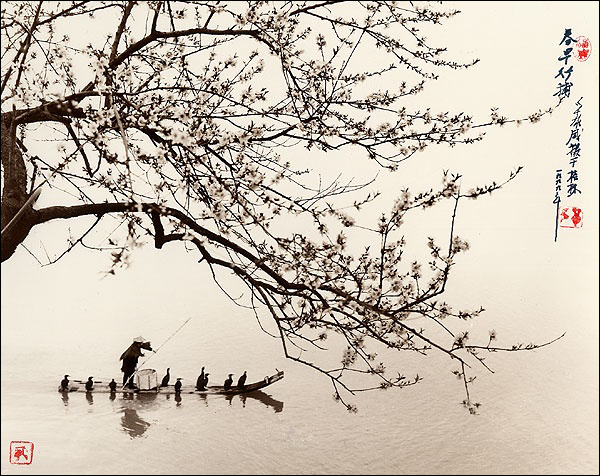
pixel 149 385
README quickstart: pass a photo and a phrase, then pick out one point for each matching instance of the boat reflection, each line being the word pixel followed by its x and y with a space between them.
pixel 264 398
pixel 130 403
pixel 259 395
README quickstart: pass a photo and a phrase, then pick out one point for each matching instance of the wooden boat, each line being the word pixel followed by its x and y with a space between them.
pixel 102 387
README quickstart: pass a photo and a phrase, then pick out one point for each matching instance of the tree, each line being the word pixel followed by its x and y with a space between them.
pixel 178 119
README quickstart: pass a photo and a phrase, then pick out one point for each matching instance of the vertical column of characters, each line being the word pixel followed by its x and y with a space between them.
pixel 571 216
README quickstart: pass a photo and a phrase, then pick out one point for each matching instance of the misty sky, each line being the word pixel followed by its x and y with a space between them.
pixel 511 233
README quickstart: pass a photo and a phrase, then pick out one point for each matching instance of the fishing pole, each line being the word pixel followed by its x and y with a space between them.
pixel 156 351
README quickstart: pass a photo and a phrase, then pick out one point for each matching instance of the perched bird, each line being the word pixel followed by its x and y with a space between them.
pixel 64 383
pixel 89 385
pixel 200 381
pixel 205 383
pixel 242 380
pixel 165 380
pixel 228 383
pixel 112 385
pixel 178 385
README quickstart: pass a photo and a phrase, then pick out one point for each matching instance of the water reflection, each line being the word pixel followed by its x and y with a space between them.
pixel 259 395
pixel 65 397
pixel 204 399
pixel 135 426
pixel 144 400
pixel 132 423
pixel 264 398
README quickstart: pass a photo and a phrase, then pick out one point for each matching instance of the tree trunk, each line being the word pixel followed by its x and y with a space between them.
pixel 14 194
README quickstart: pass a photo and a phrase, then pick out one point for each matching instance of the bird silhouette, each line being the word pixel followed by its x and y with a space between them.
pixel 200 381
pixel 228 383
pixel 178 385
pixel 242 380
pixel 165 380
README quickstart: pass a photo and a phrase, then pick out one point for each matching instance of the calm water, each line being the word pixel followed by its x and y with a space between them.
pixel 547 422
pixel 539 413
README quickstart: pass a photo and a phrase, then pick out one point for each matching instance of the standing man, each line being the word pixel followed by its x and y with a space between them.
pixel 130 359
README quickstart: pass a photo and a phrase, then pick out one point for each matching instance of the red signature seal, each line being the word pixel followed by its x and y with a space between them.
pixel 571 217
pixel 21 452
pixel 583 48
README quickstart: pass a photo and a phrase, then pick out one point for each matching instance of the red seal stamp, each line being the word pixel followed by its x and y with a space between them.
pixel 571 217
pixel 21 452
pixel 583 48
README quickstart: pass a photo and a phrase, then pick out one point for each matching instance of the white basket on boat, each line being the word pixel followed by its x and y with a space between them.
pixel 146 379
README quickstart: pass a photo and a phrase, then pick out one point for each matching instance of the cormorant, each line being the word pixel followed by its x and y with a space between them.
pixel 200 381
pixel 89 385
pixel 165 380
pixel 178 385
pixel 242 380
pixel 64 383
pixel 228 383
pixel 112 385
pixel 205 383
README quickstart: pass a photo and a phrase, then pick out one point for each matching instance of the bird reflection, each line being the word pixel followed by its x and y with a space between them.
pixel 65 397
pixel 204 399
pixel 89 397
pixel 178 399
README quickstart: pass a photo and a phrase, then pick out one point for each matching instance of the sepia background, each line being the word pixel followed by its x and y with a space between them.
pixel 539 409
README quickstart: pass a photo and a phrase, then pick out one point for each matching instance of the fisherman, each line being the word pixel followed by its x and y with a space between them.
pixel 242 381
pixel 130 359
pixel 165 380
pixel 112 385
pixel 178 385
pixel 89 385
pixel 200 381
pixel 64 383
pixel 228 383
